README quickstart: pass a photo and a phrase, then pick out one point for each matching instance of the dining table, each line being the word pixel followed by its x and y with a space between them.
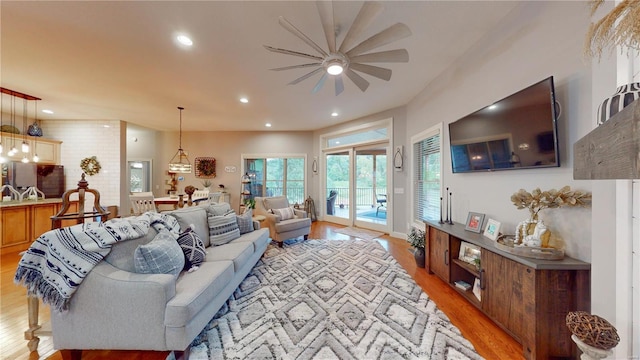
pixel 170 200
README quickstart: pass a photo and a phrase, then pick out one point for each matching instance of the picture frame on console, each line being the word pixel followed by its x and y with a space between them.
pixel 492 229
pixel 469 253
pixel 474 222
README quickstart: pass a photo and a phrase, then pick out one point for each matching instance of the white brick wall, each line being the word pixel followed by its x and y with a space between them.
pixel 86 138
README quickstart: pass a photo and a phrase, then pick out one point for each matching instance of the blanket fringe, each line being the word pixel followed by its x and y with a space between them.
pixel 37 286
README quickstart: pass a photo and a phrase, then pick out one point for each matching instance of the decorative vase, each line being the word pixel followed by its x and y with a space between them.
pixel 418 254
pixel 624 96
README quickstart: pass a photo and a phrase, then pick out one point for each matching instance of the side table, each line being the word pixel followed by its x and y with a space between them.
pixel 260 219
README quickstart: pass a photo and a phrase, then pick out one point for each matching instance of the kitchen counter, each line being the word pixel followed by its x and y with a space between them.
pixel 13 203
pixel 21 222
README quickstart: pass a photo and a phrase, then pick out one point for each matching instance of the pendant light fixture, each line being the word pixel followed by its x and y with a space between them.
pixel 25 145
pixel 35 158
pixel 180 162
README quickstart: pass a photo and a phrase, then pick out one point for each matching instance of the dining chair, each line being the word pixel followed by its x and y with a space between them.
pixel 142 202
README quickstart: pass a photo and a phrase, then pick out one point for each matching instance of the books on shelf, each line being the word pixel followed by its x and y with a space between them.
pixel 477 291
pixel 462 285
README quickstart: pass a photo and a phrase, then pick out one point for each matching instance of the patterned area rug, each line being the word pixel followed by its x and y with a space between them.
pixel 363 234
pixel 330 299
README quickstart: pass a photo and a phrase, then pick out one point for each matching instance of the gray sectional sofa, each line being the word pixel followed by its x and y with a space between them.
pixel 117 308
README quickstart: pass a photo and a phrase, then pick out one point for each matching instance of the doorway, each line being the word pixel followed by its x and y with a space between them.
pixel 139 173
pixel 356 182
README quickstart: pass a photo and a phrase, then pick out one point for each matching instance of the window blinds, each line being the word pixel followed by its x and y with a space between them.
pixel 426 177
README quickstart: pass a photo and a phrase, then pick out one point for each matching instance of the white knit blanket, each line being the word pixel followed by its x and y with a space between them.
pixel 57 262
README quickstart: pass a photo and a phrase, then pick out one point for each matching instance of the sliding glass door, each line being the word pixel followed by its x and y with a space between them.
pixel 356 187
pixel 371 198
pixel 338 186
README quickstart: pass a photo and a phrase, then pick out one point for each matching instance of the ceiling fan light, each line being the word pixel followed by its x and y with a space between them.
pixel 335 69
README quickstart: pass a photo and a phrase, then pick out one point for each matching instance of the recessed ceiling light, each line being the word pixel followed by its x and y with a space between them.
pixel 106 126
pixel 337 142
pixel 491 107
pixel 244 100
pixel 267 124
pixel 334 114
pixel 184 40
pixel 47 111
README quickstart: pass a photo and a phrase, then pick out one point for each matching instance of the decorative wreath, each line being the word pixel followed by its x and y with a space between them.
pixel 90 166
pixel 205 167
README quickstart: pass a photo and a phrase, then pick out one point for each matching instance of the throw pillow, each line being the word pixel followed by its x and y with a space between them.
pixel 219 209
pixel 193 249
pixel 162 255
pixel 285 213
pixel 223 229
pixel 245 222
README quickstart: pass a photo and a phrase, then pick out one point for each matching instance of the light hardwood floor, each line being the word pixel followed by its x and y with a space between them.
pixel 489 340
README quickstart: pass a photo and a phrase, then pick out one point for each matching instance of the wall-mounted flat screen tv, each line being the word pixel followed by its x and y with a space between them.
pixel 517 132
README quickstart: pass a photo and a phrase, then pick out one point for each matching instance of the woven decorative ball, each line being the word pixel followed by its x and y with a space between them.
pixel 592 330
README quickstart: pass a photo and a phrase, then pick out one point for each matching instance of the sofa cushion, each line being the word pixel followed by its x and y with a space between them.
pixel 196 216
pixel 259 238
pixel 193 249
pixel 223 229
pixel 245 222
pixel 276 202
pixel 219 209
pixel 121 254
pixel 194 291
pixel 293 224
pixel 238 252
pixel 160 256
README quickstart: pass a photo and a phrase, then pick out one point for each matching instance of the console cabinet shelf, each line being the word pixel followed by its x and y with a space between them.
pixel 528 298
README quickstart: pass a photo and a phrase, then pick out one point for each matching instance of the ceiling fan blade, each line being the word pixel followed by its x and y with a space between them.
pixel 380 73
pixel 325 9
pixel 296 66
pixel 320 83
pixel 291 52
pixel 294 30
pixel 368 12
pixel 339 85
pixel 391 56
pixel 360 82
pixel 386 36
pixel 306 76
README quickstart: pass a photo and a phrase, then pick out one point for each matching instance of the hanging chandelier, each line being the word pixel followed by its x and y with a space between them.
pixel 180 162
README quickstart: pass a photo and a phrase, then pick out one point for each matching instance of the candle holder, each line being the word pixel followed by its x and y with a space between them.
pixel 440 222
pixel 450 215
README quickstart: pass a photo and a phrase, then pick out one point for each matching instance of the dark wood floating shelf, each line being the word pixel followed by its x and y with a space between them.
pixel 611 150
pixel 528 298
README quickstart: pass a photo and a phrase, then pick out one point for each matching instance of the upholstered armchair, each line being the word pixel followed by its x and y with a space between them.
pixel 284 221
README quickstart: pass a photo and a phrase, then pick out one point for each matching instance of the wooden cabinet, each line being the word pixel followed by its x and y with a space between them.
pixel 48 150
pixel 439 254
pixel 22 223
pixel 528 298
pixel 15 225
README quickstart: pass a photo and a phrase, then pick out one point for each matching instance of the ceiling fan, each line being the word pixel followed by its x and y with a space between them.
pixel 348 57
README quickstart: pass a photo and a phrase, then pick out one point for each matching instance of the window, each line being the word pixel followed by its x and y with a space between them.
pixel 276 176
pixel 427 166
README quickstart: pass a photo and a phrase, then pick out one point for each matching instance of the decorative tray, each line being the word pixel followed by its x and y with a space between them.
pixel 505 243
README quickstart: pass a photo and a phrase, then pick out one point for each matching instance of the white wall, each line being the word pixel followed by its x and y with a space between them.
pixel 86 138
pixel 534 41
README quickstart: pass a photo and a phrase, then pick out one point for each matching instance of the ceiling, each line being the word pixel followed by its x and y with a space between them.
pixel 118 60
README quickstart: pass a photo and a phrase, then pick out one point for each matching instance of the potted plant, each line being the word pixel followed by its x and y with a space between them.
pixel 250 203
pixel 416 238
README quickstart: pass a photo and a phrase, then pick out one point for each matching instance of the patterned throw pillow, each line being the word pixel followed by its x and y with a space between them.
pixel 285 213
pixel 223 229
pixel 245 222
pixel 162 255
pixel 193 249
